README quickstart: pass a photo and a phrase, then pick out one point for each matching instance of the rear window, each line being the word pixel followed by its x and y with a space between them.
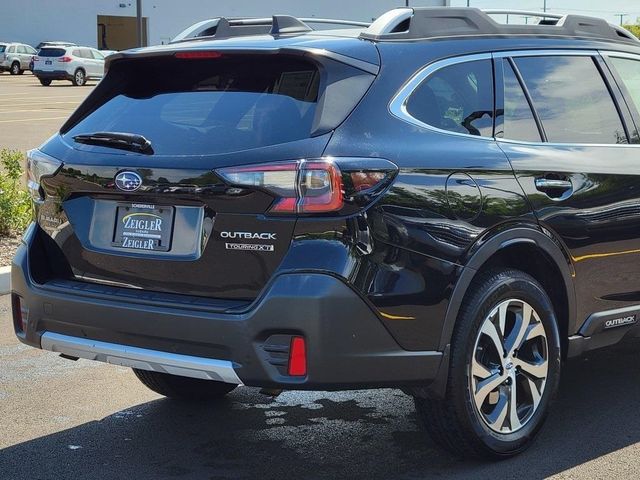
pixel 51 52
pixel 2 48
pixel 209 106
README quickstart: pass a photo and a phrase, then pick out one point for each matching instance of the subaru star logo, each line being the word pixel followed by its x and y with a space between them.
pixel 128 181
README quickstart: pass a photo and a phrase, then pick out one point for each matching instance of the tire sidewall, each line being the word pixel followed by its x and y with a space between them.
pixel 522 287
pixel 14 70
pixel 75 77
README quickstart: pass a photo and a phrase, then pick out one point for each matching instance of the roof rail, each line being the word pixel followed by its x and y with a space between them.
pixel 221 27
pixel 335 21
pixel 429 22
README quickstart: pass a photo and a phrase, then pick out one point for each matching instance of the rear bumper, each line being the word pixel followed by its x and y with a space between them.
pixel 53 75
pixel 347 345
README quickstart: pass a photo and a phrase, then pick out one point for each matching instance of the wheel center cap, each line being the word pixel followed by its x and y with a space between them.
pixel 509 364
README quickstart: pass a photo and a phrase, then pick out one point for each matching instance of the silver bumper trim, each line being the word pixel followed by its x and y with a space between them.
pixel 141 358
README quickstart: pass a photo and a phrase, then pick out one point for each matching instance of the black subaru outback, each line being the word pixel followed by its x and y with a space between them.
pixel 436 202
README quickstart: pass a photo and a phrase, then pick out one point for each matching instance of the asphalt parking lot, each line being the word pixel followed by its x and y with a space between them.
pixel 84 420
pixel 31 113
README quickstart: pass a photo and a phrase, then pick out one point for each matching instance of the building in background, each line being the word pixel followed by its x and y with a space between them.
pixel 111 24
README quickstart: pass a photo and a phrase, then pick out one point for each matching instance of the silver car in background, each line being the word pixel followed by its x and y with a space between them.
pixel 15 57
pixel 76 64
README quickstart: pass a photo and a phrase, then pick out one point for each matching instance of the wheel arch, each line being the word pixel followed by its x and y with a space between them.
pixel 526 248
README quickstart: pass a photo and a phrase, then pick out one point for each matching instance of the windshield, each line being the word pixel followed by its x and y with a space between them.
pixel 213 105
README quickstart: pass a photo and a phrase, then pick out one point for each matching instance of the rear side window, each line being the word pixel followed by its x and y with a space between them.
pixel 571 99
pixel 457 98
pixel 629 71
pixel 519 123
pixel 11 50
pixel 210 106
pixel 51 52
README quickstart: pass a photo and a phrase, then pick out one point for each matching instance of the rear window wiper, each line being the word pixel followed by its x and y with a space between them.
pixel 123 141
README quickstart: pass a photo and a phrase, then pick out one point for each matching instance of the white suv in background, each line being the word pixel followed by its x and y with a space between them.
pixel 77 64
pixel 15 57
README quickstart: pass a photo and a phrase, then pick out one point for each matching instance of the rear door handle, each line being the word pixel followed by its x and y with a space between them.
pixel 554 187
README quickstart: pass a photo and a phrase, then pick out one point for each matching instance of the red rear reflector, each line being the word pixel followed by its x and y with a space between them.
pixel 20 314
pixel 297 357
pixel 198 55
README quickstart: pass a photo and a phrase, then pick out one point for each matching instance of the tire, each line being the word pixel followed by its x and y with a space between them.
pixel 15 69
pixel 79 78
pixel 472 422
pixel 45 82
pixel 183 388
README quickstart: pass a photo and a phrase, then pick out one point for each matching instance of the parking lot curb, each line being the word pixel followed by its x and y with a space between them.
pixel 5 280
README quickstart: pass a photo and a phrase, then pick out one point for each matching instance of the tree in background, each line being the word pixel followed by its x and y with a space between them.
pixel 635 29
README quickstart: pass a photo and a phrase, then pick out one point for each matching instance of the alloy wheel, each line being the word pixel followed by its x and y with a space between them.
pixel 509 367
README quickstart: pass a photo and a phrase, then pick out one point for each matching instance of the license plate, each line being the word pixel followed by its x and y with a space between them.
pixel 47 62
pixel 143 227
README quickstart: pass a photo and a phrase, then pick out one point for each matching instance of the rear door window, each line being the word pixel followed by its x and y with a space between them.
pixel 572 99
pixel 519 122
pixel 629 71
pixel 457 98
pixel 211 106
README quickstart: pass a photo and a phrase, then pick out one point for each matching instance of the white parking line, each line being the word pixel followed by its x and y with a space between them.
pixel 49 110
pixel 28 104
pixel 33 119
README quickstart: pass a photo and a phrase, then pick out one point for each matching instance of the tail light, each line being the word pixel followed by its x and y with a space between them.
pixel 39 165
pixel 315 186
pixel 65 59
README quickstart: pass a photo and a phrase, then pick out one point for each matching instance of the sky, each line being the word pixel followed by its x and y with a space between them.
pixel 606 9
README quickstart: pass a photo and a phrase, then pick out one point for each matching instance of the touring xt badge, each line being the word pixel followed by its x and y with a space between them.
pixel 251 247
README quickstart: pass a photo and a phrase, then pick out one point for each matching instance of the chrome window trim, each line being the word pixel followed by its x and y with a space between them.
pixel 615 54
pixel 398 105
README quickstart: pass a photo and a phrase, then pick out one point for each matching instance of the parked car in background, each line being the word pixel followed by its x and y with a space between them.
pixel 15 57
pixel 106 53
pixel 73 63
pixel 55 44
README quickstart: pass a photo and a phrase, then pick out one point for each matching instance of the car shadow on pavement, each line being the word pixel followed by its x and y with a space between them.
pixel 330 435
